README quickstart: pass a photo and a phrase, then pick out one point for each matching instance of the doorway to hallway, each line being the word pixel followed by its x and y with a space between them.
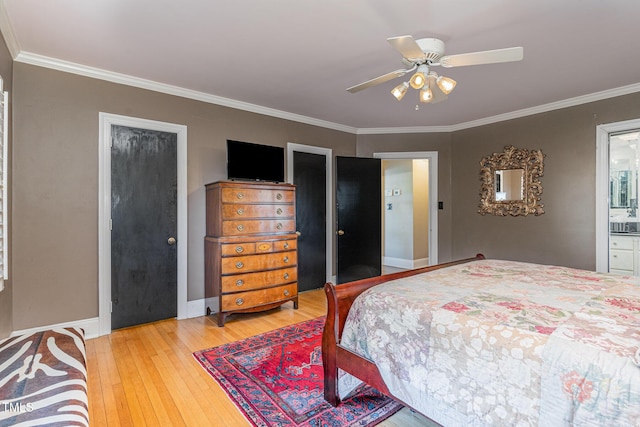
pixel 410 209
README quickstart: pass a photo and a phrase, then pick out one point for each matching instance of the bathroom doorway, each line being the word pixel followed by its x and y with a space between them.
pixel 617 193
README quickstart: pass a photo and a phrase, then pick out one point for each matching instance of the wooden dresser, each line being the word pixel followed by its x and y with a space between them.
pixel 251 246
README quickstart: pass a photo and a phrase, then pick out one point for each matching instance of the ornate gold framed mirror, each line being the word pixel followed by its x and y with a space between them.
pixel 511 182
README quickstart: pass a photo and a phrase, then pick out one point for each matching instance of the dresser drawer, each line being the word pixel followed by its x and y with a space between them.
pixel 249 281
pixel 285 245
pixel 232 249
pixel 257 226
pixel 240 211
pixel 256 195
pixel 246 264
pixel 244 300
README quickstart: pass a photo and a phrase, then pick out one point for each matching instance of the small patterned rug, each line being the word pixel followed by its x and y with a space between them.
pixel 276 379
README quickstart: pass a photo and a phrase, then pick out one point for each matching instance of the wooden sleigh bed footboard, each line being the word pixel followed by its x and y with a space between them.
pixel 334 356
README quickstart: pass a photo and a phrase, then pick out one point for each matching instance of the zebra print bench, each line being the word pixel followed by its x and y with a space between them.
pixel 43 379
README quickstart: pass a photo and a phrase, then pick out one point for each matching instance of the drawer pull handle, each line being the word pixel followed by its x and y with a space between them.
pixel 239 265
pixel 286 245
pixel 239 249
pixel 615 256
pixel 286 259
pixel 279 226
pixel 240 211
pixel 286 276
pixel 240 195
pixel 279 196
pixel 239 282
pixel 286 292
pixel 615 243
pixel 239 301
pixel 240 227
pixel 279 211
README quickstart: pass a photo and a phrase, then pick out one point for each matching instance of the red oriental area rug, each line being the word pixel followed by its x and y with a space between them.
pixel 276 379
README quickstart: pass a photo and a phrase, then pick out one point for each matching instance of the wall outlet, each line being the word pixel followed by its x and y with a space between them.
pixel 388 193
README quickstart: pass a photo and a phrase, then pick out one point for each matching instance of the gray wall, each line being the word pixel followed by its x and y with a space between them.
pixel 6 306
pixel 55 179
pixel 565 234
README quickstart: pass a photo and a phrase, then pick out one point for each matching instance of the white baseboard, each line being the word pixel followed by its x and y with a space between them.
pixel 195 308
pixel 405 263
pixel 198 307
pixel 91 328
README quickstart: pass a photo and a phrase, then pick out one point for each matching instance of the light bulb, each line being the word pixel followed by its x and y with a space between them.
pixel 418 80
pixel 400 90
pixel 426 95
pixel 445 84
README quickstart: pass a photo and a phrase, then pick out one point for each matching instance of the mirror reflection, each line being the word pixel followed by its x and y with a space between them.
pixel 624 155
pixel 509 184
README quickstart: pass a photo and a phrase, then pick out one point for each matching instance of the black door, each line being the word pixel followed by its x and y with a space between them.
pixel 359 226
pixel 144 225
pixel 309 176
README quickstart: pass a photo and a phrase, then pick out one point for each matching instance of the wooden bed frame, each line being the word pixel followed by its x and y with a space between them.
pixel 334 356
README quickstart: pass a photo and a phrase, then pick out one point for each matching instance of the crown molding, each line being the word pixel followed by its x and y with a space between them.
pixel 97 73
pixel 571 102
pixel 7 31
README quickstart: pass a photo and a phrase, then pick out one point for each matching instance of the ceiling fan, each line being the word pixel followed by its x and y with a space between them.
pixel 422 54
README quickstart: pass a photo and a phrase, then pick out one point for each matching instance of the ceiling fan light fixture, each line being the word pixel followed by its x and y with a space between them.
pixel 420 77
pixel 446 84
pixel 400 91
pixel 426 95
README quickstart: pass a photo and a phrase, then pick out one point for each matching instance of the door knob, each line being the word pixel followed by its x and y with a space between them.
pixel 171 241
pixel 340 232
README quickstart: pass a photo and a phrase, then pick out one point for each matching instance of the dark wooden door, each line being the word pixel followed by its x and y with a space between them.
pixel 309 176
pixel 144 226
pixel 359 218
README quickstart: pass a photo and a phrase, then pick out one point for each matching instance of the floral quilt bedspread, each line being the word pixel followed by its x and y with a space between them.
pixel 505 343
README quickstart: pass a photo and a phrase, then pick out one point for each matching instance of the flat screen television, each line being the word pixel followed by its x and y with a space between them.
pixel 254 162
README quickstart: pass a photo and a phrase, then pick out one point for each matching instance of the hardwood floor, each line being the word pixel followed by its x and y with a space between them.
pixel 146 375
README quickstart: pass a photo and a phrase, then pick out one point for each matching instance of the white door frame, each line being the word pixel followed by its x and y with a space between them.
pixel 327 152
pixel 602 188
pixel 104 210
pixel 432 156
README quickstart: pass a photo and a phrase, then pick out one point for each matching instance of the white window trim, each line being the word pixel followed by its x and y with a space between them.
pixel 4 215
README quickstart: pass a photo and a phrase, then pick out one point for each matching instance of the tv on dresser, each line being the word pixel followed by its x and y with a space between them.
pixel 254 162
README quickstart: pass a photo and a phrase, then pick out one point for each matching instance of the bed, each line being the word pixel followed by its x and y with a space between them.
pixel 481 342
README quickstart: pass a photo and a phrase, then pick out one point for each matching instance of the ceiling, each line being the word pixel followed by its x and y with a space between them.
pixel 295 59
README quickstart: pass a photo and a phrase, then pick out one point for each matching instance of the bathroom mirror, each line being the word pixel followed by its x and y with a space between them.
pixel 511 182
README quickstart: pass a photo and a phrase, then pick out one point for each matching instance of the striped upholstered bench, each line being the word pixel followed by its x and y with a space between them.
pixel 43 379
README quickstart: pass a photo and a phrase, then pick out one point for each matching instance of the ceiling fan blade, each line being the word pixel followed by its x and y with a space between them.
pixel 381 79
pixel 485 57
pixel 407 46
